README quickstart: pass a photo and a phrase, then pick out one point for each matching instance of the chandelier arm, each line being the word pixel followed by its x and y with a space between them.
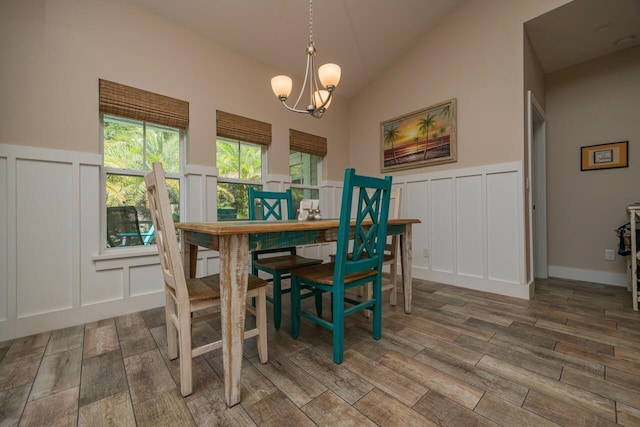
pixel 313 84
pixel 326 101
pixel 295 110
pixel 304 83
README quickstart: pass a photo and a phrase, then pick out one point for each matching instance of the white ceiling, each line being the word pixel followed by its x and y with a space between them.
pixel 583 30
pixel 362 36
pixel 366 36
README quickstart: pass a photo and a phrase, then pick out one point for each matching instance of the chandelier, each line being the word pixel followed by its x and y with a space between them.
pixel 320 92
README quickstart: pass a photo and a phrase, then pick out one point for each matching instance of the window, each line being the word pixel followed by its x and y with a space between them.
pixel 241 148
pixel 305 164
pixel 130 147
pixel 240 166
pixel 305 170
pixel 138 128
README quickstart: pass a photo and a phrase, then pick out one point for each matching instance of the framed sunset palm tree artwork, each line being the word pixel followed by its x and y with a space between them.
pixel 423 138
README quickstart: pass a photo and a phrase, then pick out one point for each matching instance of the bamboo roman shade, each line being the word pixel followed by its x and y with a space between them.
pixel 131 103
pixel 307 143
pixel 242 128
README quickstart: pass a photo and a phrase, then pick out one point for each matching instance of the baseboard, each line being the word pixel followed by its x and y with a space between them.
pixel 593 276
pixel 515 290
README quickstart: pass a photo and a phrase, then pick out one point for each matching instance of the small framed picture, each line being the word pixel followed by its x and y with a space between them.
pixel 604 156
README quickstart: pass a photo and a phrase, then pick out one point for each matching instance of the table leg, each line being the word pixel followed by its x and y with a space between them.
pixel 405 256
pixel 189 255
pixel 234 274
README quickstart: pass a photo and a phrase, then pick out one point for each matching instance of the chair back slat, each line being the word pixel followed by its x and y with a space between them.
pixel 370 233
pixel 166 240
pixel 270 203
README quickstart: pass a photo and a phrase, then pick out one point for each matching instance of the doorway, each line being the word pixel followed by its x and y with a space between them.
pixel 538 192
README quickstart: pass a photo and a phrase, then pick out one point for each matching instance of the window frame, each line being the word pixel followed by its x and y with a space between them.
pixel 308 186
pixel 263 167
pixel 104 171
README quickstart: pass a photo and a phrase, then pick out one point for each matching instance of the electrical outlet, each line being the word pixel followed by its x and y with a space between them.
pixel 425 252
pixel 609 254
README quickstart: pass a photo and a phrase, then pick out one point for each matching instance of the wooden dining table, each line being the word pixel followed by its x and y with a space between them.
pixel 235 240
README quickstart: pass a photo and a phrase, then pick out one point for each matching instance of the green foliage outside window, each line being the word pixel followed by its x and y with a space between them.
pixel 303 169
pixel 130 148
pixel 238 164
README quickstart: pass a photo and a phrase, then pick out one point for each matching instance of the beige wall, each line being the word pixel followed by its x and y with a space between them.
pixel 54 51
pixel 475 55
pixel 593 103
pixel 533 73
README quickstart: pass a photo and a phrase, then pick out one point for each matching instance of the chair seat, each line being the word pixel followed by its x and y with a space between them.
pixel 324 274
pixel 285 262
pixel 208 287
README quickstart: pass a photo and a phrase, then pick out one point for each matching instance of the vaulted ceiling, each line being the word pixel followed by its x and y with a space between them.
pixel 366 36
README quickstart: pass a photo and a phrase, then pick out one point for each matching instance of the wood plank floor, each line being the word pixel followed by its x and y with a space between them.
pixel 570 356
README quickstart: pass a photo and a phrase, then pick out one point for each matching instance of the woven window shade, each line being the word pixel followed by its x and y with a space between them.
pixel 131 103
pixel 242 128
pixel 307 143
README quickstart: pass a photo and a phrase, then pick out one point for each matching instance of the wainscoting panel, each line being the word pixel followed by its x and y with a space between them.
pixel 145 279
pixel 416 198
pixel 442 223
pixel 504 228
pixel 470 244
pixel 44 224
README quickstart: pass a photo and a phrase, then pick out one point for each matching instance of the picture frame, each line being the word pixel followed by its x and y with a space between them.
pixel 604 156
pixel 422 138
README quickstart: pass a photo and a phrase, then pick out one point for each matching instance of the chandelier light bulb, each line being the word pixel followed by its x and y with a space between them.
pixel 281 86
pixel 320 97
pixel 329 75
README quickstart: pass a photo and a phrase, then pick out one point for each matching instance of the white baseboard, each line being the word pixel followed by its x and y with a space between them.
pixel 515 290
pixel 593 276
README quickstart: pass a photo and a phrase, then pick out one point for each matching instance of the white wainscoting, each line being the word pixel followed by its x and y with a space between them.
pixel 54 274
pixel 472 229
pixel 52 271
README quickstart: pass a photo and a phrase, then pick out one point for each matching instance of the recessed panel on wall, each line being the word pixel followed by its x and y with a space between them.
pixel 213 265
pixel 503 251
pixel 211 213
pixel 4 231
pixel 44 223
pixel 106 285
pixel 442 225
pixel 145 279
pixel 194 197
pixel 469 220
pixel 415 202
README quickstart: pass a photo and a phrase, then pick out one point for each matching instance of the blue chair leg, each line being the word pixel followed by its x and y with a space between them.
pixel 295 307
pixel 337 307
pixel 318 298
pixel 377 309
pixel 277 301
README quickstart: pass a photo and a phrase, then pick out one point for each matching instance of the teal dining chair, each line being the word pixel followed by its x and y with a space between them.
pixel 360 266
pixel 268 205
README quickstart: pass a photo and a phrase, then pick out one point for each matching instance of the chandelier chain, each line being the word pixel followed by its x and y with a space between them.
pixel 311 21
